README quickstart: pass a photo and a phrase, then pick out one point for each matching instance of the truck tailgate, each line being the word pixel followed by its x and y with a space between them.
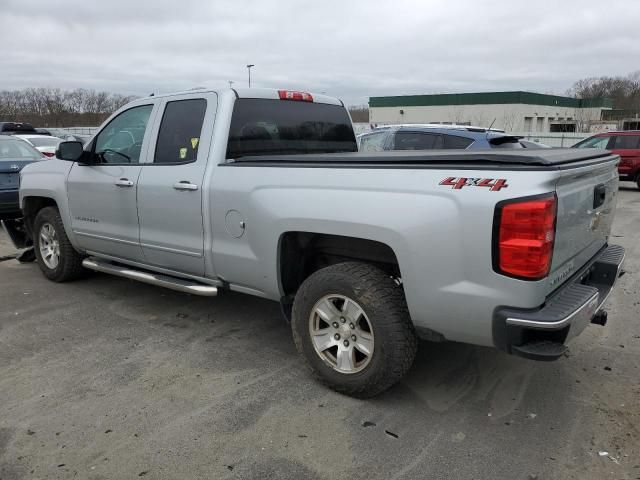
pixel 587 198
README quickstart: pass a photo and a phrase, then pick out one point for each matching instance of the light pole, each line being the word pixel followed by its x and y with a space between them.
pixel 249 71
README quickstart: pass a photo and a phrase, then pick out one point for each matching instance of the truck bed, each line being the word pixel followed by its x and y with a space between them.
pixel 547 157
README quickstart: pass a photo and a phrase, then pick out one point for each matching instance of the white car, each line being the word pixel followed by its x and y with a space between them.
pixel 44 143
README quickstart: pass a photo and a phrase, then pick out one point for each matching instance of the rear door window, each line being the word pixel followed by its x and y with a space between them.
pixel 625 142
pixel 286 127
pixel 417 141
pixel 179 135
pixel 454 141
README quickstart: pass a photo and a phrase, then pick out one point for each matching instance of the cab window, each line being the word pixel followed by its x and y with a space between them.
pixel 120 142
pixel 179 135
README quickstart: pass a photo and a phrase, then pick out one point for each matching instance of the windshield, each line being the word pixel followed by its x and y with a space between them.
pixel 14 149
pixel 593 142
pixel 45 141
pixel 284 127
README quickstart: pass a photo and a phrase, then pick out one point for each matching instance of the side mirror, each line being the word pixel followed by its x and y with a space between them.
pixel 71 151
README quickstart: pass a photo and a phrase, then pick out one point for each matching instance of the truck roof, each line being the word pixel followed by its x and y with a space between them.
pixel 524 157
pixel 264 93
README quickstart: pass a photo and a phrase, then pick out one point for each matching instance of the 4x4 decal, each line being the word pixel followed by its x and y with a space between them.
pixel 458 182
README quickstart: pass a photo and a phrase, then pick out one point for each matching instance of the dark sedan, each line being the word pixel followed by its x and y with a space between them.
pixel 14 154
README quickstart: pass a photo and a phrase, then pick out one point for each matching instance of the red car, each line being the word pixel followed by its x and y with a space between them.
pixel 626 144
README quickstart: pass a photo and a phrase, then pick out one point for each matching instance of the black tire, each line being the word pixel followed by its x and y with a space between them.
pixel 383 303
pixel 69 266
pixel 638 180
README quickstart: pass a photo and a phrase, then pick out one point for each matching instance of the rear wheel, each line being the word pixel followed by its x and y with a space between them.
pixel 638 180
pixel 56 257
pixel 351 324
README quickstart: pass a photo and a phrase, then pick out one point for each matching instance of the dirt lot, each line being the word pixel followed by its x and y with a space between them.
pixel 107 378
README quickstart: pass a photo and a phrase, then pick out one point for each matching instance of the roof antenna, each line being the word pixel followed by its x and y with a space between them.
pixel 486 137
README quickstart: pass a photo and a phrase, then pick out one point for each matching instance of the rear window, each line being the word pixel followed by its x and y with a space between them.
pixel 625 142
pixel 505 142
pixel 45 141
pixel 373 142
pixel 14 149
pixel 284 127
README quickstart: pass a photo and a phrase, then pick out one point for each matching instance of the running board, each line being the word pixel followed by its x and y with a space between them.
pixel 179 284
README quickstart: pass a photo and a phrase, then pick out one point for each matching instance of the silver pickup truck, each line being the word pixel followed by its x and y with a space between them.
pixel 263 192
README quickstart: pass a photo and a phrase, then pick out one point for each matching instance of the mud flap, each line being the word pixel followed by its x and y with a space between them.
pixel 17 232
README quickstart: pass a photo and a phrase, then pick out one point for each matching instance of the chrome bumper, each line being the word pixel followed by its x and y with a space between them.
pixel 541 333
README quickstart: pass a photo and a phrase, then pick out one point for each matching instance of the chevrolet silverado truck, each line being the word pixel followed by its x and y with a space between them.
pixel 263 192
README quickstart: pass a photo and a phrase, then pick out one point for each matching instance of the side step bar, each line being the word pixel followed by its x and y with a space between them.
pixel 179 284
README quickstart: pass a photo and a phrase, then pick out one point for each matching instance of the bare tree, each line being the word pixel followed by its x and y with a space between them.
pixel 359 114
pixel 456 114
pixel 624 91
pixel 53 107
pixel 509 120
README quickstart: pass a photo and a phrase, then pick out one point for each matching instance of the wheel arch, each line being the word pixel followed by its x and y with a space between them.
pixel 302 253
pixel 31 205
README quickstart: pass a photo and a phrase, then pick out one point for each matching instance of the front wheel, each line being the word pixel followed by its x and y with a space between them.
pixel 56 257
pixel 351 324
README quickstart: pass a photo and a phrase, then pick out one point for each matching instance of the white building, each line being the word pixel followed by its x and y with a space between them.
pixel 522 112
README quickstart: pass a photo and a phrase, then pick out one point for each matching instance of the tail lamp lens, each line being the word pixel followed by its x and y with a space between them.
pixel 525 237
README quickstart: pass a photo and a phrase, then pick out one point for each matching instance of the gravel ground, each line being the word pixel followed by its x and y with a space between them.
pixel 108 378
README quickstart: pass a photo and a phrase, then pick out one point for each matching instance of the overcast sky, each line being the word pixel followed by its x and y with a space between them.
pixel 349 49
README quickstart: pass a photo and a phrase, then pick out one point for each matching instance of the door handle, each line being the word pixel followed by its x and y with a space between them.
pixel 185 185
pixel 124 182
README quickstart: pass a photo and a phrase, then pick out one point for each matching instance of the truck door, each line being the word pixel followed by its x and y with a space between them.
pixel 102 197
pixel 170 190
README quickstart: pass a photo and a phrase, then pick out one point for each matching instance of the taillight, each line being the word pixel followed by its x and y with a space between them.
pixel 48 154
pixel 524 236
pixel 297 96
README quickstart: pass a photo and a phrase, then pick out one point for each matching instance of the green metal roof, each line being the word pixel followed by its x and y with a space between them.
pixel 488 98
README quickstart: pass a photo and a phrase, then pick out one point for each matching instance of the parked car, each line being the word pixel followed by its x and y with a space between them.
pixel 14 155
pixel 17 127
pixel 42 131
pixel 43 143
pixel 209 191
pixel 624 143
pixel 430 137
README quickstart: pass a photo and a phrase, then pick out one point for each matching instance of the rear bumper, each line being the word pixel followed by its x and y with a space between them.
pixel 542 333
